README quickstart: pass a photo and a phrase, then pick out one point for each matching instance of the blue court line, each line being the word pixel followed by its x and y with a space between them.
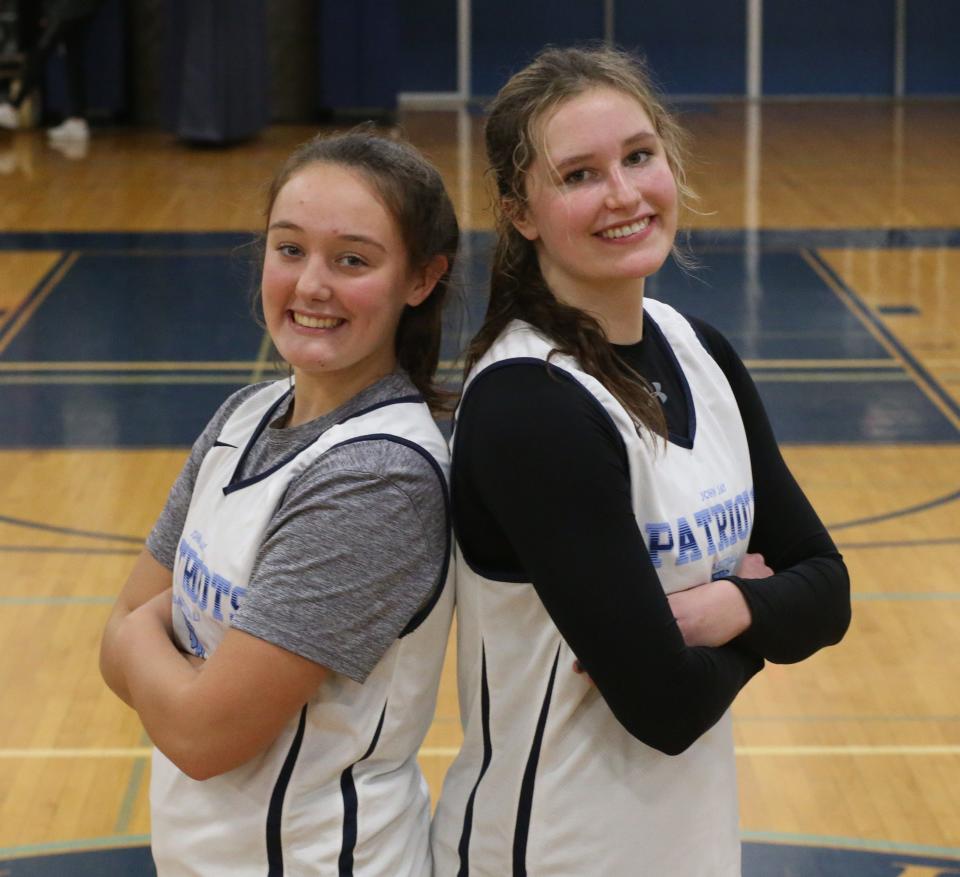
pixel 867 315
pixel 125 813
pixel 775 837
pixel 74 846
pixel 822 238
pixel 69 531
pixel 38 290
pixel 898 513
pixel 126 241
pixel 851 843
pixel 770 238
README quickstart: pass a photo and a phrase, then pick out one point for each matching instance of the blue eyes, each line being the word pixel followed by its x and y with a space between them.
pixel 635 159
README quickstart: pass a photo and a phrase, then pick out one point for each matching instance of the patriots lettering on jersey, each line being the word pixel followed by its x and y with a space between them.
pixel 204 590
pixel 712 530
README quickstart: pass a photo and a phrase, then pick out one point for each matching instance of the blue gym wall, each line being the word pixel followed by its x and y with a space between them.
pixel 698 47
pixel 837 48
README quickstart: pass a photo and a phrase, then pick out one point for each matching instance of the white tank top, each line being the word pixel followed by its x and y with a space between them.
pixel 339 792
pixel 548 782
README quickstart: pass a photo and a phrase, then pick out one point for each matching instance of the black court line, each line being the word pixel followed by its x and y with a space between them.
pixel 898 513
pixel 905 543
pixel 70 531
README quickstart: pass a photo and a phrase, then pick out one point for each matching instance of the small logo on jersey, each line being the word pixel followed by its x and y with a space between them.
pixel 658 392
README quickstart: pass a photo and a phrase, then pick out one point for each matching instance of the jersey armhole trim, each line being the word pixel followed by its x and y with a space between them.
pixel 424 611
pixel 238 484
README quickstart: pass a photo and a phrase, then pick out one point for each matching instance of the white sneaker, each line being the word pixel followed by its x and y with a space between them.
pixel 74 150
pixel 71 130
pixel 9 117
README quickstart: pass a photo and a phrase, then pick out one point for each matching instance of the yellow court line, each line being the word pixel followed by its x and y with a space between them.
pixel 451 751
pixel 29 311
pixel 260 365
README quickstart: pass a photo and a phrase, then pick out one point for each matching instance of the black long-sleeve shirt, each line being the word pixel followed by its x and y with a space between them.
pixel 541 493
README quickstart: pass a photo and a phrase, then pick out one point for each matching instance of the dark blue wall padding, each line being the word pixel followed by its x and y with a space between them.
pixel 933 53
pixel 507 34
pixel 428 45
pixel 217 69
pixel 359 54
pixel 828 47
pixel 691 47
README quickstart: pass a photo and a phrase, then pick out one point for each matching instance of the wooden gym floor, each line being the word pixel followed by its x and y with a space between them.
pixel 828 237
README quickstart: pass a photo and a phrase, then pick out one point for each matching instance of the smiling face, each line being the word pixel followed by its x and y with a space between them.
pixel 336 278
pixel 601 199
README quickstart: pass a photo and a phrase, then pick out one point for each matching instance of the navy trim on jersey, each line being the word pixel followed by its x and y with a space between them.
pixel 463 848
pixel 519 576
pixel 275 811
pixel 427 608
pixel 525 804
pixel 253 437
pixel 684 441
pixel 349 791
pixel 220 444
pixel 236 484
pixel 413 397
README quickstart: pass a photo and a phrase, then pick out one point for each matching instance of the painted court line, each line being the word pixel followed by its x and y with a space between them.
pixel 923 379
pixel 29 305
pixel 898 513
pixel 82 600
pixel 850 843
pixel 68 531
pixel 71 846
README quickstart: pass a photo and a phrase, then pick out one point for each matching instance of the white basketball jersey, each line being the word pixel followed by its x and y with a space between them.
pixel 548 782
pixel 339 792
